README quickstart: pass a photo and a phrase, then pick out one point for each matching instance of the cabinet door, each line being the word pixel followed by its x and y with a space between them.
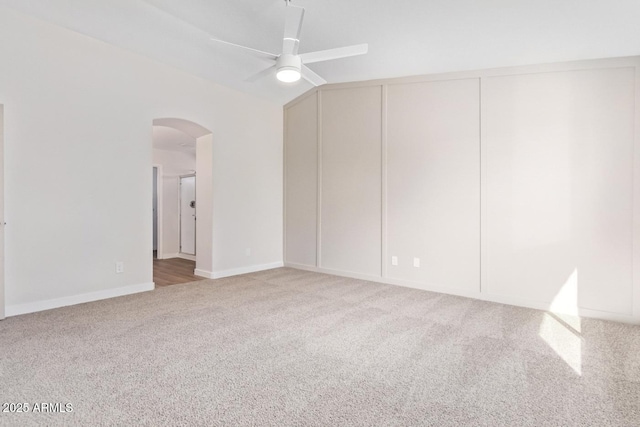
pixel 558 152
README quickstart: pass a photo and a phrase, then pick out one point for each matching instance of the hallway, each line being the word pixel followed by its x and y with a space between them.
pixel 173 271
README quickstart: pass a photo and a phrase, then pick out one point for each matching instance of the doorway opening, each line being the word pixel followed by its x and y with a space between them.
pixel 181 206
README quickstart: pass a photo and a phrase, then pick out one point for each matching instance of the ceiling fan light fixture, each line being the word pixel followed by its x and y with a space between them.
pixel 288 68
pixel 288 74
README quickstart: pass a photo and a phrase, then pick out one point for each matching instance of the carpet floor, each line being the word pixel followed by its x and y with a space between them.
pixel 288 347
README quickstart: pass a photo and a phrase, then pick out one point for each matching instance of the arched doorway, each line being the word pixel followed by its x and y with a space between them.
pixel 183 155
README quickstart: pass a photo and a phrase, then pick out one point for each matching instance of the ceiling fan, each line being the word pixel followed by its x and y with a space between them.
pixel 291 65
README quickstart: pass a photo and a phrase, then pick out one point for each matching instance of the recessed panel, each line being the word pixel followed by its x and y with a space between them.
pixel 301 184
pixel 433 183
pixel 351 180
pixel 558 152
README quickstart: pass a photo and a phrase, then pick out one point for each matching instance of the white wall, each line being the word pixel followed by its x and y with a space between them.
pixel 558 185
pixel 75 111
pixel 433 182
pixel 204 207
pixel 174 164
pixel 350 224
pixel 2 245
pixel 301 181
pixel 511 185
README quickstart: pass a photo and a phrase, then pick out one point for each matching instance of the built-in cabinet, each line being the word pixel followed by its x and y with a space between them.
pixel 515 185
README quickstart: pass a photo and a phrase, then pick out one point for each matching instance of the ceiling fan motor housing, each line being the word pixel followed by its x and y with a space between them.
pixel 288 64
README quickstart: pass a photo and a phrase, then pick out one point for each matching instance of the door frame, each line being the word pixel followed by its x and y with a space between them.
pixel 195 232
pixel 159 224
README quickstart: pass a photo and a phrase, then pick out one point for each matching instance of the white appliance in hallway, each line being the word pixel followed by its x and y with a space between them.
pixel 188 215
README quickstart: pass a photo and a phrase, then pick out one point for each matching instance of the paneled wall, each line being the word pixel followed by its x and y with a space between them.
pixel 351 197
pixel 433 182
pixel 559 184
pixel 510 185
pixel 301 181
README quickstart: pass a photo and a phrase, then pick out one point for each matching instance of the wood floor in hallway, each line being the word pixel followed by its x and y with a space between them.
pixel 173 271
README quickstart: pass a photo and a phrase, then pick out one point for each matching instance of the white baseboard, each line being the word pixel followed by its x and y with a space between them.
pixel 203 273
pixel 179 255
pixel 348 274
pixel 245 270
pixel 538 305
pixel 32 307
pixel 388 281
pixel 546 306
pixel 168 256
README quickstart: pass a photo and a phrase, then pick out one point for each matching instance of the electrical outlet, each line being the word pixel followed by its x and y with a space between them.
pixel 394 260
pixel 119 267
pixel 247 252
pixel 416 262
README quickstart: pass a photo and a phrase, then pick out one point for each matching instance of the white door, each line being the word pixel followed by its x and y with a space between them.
pixel 154 209
pixel 188 215
pixel 1 212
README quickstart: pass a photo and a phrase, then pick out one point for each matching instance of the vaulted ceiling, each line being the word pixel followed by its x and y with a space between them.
pixel 408 37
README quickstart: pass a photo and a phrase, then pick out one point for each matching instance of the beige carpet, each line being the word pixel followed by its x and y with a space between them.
pixel 287 347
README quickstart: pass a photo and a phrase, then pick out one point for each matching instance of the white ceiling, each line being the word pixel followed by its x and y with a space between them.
pixel 170 139
pixel 407 37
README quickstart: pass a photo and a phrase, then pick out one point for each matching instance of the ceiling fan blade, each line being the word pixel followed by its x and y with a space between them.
pixel 248 49
pixel 292 28
pixel 312 77
pixel 337 53
pixel 256 52
pixel 260 74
